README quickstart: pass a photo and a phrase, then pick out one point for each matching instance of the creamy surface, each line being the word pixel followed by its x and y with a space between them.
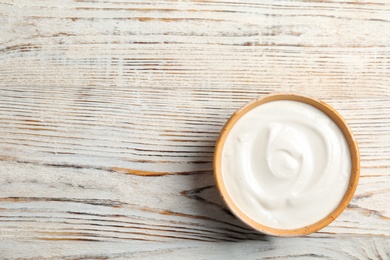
pixel 286 164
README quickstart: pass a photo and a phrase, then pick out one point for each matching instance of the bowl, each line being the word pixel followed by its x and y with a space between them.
pixel 236 195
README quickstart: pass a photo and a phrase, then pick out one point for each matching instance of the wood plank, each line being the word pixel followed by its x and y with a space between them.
pixel 73 199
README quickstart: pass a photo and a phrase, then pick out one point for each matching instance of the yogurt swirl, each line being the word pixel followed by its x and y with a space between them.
pixel 286 164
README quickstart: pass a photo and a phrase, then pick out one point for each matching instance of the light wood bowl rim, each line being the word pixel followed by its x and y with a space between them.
pixel 353 148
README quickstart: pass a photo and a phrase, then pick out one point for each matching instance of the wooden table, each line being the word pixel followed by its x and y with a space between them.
pixel 109 113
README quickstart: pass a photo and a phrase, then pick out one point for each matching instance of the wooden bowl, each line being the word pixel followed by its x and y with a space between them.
pixel 353 150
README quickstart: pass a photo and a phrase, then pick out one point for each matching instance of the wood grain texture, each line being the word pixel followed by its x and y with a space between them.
pixel 109 113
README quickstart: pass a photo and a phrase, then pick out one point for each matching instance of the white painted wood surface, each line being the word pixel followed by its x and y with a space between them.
pixel 109 112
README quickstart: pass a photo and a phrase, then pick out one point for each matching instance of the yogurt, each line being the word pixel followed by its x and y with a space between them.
pixel 286 164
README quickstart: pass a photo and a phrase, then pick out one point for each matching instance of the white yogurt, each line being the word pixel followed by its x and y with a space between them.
pixel 286 164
